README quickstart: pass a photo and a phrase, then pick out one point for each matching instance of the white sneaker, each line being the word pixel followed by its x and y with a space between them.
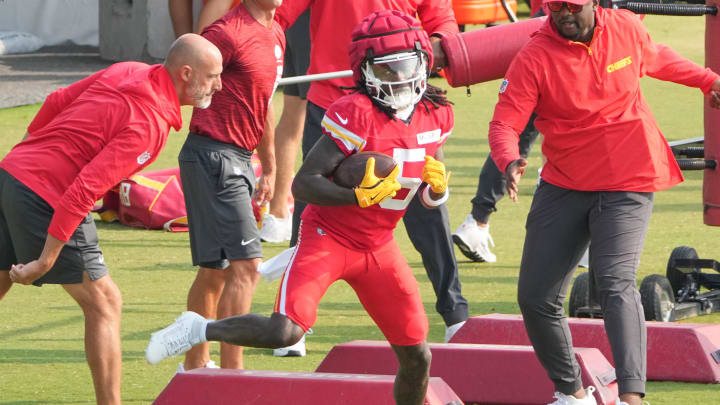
pixel 562 399
pixel 474 241
pixel 209 364
pixel 274 229
pixel 187 331
pixel 296 350
pixel 451 330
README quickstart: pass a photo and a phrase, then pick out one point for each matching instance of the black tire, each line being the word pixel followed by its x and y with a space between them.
pixel 657 297
pixel 579 294
pixel 675 276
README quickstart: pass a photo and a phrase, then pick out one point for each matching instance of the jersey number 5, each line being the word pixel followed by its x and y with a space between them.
pixel 402 156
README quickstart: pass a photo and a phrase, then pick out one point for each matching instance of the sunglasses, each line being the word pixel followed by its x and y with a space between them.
pixel 557 6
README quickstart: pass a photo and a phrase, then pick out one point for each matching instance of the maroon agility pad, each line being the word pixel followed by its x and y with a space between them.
pixel 259 387
pixel 675 351
pixel 487 374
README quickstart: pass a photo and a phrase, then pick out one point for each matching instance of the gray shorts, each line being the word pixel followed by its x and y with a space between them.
pixel 297 55
pixel 218 182
pixel 24 221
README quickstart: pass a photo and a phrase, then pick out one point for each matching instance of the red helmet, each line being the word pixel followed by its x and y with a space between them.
pixel 389 41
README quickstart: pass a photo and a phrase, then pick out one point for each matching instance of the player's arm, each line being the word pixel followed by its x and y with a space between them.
pixel 312 183
pixel 212 10
pixel 27 273
pixel 289 11
pixel 517 100
pixel 438 20
pixel 266 153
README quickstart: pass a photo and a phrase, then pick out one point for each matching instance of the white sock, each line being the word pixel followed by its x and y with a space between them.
pixel 198 330
pixel 452 329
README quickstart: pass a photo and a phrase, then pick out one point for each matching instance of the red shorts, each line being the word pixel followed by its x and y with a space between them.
pixel 381 279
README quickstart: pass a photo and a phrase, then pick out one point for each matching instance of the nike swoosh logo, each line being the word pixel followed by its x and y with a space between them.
pixel 343 120
pixel 245 242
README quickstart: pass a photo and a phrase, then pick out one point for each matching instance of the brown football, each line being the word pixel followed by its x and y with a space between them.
pixel 351 171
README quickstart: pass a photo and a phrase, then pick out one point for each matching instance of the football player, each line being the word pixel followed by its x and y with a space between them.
pixel 347 233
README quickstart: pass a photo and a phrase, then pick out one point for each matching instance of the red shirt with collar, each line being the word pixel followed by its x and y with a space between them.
pixel 89 136
pixel 599 133
pixel 332 22
pixel 252 66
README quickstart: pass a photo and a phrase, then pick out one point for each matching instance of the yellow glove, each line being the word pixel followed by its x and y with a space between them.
pixel 373 189
pixel 434 175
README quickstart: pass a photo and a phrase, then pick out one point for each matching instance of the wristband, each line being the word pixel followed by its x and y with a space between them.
pixel 429 200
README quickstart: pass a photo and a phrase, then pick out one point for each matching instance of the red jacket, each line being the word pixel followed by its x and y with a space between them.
pixel 599 133
pixel 89 136
pixel 332 22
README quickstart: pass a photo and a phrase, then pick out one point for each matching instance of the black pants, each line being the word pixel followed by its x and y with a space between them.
pixel 491 183
pixel 559 227
pixel 429 231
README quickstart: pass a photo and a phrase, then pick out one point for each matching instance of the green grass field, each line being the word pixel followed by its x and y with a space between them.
pixel 41 330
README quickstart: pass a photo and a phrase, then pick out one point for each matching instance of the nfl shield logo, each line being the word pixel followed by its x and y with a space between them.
pixel 503 86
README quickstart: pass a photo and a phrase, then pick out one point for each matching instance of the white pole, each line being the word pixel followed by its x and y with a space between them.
pixel 315 77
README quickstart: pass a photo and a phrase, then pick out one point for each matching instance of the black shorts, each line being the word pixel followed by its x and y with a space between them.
pixel 297 54
pixel 24 221
pixel 218 182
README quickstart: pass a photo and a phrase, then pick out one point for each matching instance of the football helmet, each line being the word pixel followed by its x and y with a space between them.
pixel 391 56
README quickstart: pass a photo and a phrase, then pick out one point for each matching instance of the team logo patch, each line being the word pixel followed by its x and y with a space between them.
pixel 144 157
pixel 278 52
pixel 504 86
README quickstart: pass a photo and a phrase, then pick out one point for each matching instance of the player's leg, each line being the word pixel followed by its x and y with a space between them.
pixel 240 281
pixel 199 174
pixel 304 283
pixel 413 373
pixel 389 292
pixel 81 269
pixel 556 237
pixel 236 232
pixel 311 133
pixel 618 224
pixel 203 298
pixel 429 231
pixel 101 303
pixel 7 250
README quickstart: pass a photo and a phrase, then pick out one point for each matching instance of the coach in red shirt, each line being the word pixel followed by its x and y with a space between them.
pixel 83 141
pixel 217 175
pixel 605 158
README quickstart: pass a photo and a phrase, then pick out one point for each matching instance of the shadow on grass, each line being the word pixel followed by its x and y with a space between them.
pixel 39 356
pixel 44 327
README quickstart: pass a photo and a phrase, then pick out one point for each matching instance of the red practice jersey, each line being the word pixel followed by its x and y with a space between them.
pixel 89 136
pixel 252 66
pixel 356 124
